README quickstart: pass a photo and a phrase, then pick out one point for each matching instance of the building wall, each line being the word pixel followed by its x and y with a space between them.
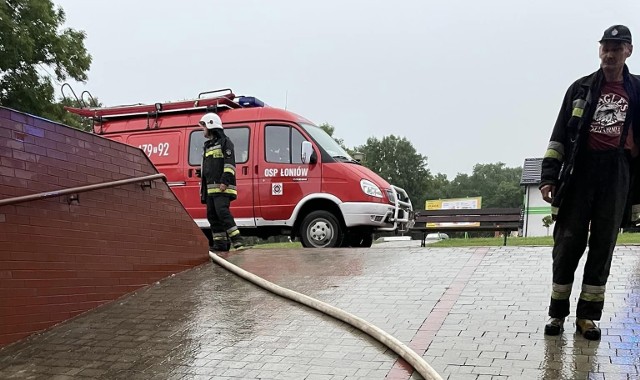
pixel 535 209
pixel 60 259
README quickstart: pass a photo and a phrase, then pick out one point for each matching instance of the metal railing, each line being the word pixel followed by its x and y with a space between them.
pixel 80 189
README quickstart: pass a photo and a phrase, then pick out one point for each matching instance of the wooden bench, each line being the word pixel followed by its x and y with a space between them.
pixel 489 219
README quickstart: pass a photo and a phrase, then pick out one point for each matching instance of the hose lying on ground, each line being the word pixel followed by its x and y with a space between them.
pixel 398 347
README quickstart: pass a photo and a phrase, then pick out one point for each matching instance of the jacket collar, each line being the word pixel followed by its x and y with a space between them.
pixel 594 81
pixel 598 76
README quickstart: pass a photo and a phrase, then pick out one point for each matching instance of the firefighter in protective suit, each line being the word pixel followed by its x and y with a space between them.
pixel 590 176
pixel 218 185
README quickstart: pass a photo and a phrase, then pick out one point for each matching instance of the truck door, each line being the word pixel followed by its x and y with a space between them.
pixel 164 149
pixel 242 208
pixel 282 179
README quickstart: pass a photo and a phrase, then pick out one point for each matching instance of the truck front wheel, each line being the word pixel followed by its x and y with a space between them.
pixel 321 229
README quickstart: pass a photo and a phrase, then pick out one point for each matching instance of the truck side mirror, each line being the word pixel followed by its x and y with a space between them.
pixel 308 154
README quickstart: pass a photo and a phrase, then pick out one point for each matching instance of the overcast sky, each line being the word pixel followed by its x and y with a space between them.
pixel 465 81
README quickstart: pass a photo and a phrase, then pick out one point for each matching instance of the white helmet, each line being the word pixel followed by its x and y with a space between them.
pixel 211 121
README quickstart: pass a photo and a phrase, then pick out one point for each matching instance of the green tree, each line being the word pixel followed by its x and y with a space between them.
pixel 547 221
pixel 439 187
pixel 498 185
pixel 34 51
pixel 73 120
pixel 396 160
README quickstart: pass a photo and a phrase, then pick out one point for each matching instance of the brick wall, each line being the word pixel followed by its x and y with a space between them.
pixel 57 259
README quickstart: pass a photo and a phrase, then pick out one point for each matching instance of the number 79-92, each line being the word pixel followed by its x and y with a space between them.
pixel 162 149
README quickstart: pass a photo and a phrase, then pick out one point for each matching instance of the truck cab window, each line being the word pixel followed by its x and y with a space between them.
pixel 283 144
pixel 239 136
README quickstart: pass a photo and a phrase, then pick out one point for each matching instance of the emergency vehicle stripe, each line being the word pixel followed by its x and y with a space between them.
pixel 228 168
pixel 561 292
pixel 233 231
pixel 592 293
pixel 555 150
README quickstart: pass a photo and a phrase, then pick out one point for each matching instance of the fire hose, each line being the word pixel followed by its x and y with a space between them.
pixel 410 356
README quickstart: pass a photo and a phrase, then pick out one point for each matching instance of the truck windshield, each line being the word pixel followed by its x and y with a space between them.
pixel 327 142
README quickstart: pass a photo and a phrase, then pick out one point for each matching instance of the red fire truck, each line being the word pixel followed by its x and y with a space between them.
pixel 292 177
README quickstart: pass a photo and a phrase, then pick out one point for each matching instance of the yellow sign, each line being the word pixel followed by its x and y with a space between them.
pixel 433 205
pixel 473 203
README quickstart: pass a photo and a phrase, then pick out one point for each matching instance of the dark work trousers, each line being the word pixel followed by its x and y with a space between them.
pixel 592 209
pixel 221 220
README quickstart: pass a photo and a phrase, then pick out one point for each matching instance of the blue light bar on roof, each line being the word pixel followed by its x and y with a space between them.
pixel 250 101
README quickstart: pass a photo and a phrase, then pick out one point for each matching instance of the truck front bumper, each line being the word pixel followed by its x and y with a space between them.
pixel 377 215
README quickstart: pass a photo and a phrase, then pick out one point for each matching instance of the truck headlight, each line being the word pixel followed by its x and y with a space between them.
pixel 370 188
pixel 392 196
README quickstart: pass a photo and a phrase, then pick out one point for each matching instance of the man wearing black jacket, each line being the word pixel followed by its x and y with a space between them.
pixel 218 186
pixel 588 174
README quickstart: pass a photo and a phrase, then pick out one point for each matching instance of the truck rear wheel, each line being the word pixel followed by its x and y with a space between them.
pixel 321 229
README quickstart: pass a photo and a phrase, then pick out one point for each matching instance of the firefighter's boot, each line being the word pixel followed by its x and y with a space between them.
pixel 588 329
pixel 220 242
pixel 238 243
pixel 555 326
pixel 236 240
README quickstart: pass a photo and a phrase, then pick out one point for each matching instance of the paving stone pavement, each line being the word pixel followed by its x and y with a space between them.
pixel 472 313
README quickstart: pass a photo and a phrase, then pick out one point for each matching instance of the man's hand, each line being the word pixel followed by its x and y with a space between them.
pixel 223 187
pixel 548 191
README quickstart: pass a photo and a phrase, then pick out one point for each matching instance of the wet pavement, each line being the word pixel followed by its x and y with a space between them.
pixel 472 313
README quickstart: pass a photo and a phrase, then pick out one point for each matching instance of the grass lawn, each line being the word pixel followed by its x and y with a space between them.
pixel 491 242
pixel 287 245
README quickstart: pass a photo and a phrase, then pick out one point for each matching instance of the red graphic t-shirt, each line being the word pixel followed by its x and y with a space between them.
pixel 608 121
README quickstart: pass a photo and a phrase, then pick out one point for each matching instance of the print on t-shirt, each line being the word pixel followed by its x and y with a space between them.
pixel 605 130
pixel 610 115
